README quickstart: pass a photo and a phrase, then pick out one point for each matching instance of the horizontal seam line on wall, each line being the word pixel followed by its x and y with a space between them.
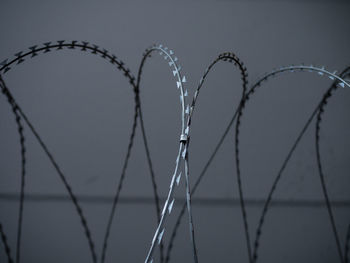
pixel 13 197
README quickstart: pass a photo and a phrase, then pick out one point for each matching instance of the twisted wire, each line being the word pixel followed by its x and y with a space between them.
pixel 146 55
pixel 4 242
pixel 61 45
pixel 197 182
pixel 231 58
pixel 186 116
pixel 189 210
pixel 274 186
pixel 255 86
pixel 138 114
pixel 324 102
pixel 47 47
pixel 23 173
pixel 65 182
pixel 119 188
pixel 23 166
pixel 168 55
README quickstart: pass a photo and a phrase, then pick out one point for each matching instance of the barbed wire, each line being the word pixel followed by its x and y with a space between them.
pixel 255 86
pixel 231 58
pixel 326 97
pixel 23 165
pixel 182 159
pixel 45 48
pixel 172 61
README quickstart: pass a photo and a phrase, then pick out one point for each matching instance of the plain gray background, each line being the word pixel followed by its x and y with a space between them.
pixel 83 107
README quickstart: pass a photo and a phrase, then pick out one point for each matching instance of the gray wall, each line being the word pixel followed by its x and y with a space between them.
pixel 83 108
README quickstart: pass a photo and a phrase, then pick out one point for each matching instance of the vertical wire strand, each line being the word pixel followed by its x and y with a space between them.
pixel 23 167
pixel 6 245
